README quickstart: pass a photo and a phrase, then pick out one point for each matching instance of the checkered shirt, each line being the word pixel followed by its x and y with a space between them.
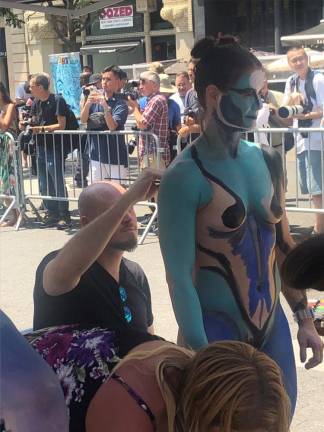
pixel 155 118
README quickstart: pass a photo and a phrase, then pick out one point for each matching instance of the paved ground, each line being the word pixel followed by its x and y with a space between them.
pixel 20 253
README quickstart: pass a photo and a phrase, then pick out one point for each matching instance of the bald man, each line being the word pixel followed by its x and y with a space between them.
pixel 88 281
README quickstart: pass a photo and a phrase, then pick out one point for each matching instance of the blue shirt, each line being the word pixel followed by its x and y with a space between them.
pixel 111 149
pixel 174 114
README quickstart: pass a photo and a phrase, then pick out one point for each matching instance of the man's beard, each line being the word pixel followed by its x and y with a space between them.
pixel 128 245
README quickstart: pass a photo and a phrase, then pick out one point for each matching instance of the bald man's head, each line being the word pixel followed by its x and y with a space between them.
pixel 98 198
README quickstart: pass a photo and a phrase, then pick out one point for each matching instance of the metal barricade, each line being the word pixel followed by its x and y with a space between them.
pixel 10 176
pixel 65 162
pixel 272 136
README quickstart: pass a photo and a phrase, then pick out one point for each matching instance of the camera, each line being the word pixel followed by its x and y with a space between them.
pixel 290 111
pixel 130 90
pixel 86 90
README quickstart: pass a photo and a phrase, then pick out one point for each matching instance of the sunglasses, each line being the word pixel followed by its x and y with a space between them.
pixel 123 297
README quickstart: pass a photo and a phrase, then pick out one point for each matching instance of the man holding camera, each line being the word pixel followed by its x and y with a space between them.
pixel 306 88
pixel 48 114
pixel 105 111
pixel 154 119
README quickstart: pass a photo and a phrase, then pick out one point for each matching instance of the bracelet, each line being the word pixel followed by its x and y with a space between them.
pixel 302 314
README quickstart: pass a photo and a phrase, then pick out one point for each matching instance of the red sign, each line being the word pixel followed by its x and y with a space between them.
pixel 117 12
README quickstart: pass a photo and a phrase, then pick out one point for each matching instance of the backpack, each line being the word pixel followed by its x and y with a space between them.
pixel 71 124
pixel 309 86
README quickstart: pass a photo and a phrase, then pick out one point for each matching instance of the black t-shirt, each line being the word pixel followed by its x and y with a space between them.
pixel 98 300
pixel 46 113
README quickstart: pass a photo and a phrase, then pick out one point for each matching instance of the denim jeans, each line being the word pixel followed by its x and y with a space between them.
pixel 52 183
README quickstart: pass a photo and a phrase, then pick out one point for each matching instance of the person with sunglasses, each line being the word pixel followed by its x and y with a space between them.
pixel 89 282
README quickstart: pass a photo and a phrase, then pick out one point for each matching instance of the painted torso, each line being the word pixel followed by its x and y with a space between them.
pixel 235 239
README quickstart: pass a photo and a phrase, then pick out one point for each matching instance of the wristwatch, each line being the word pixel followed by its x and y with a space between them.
pixel 43 129
pixel 302 314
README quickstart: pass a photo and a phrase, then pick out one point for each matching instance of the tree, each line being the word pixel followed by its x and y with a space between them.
pixel 11 19
pixel 68 30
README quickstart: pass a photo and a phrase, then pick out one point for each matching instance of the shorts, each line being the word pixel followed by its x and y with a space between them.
pixel 310 172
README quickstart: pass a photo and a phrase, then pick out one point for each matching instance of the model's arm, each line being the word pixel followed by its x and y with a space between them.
pixel 181 194
pixel 63 273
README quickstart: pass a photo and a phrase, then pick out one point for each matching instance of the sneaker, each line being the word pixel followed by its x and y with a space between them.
pixel 146 219
pixel 49 220
pixel 64 222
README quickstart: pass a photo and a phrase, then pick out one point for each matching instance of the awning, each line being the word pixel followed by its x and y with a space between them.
pixel 58 8
pixel 108 48
pixel 312 36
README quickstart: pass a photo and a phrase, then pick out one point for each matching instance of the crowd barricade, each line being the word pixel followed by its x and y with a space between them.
pixel 10 176
pixel 62 163
pixel 296 201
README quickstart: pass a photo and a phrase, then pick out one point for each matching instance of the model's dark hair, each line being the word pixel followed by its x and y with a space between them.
pixel 115 70
pixel 220 62
pixel 304 265
pixel 5 95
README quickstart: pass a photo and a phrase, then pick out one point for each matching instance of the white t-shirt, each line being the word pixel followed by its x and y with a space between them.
pixel 180 101
pixel 262 121
pixel 314 140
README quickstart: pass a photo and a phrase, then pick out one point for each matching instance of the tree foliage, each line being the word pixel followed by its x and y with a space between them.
pixel 11 18
pixel 68 30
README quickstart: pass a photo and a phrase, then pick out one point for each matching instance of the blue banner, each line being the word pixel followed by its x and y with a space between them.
pixel 65 76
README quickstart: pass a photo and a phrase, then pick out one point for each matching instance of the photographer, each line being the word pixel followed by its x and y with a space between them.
pixel 106 111
pixel 48 114
pixel 306 88
pixel 23 92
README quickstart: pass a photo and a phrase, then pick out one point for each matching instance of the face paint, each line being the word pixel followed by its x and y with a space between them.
pixel 239 107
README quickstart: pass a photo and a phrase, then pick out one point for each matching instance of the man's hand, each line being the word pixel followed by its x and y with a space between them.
pixel 36 129
pixel 132 103
pixel 145 186
pixel 309 338
pixel 184 131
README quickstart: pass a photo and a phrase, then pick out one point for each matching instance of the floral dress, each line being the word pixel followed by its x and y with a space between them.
pixel 83 359
pixel 7 176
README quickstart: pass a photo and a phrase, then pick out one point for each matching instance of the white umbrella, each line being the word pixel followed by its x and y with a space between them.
pixel 316 60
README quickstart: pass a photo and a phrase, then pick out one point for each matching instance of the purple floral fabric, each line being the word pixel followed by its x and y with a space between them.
pixel 82 360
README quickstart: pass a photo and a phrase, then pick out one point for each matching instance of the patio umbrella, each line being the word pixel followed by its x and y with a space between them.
pixel 312 36
pixel 316 61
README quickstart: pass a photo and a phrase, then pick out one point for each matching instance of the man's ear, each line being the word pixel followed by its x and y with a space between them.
pixel 212 96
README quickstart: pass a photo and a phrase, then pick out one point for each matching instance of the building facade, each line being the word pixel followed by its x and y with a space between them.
pixel 138 31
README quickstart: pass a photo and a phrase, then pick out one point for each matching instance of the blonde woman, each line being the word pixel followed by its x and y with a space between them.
pixel 225 387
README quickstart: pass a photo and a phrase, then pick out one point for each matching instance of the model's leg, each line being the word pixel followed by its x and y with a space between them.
pixel 279 347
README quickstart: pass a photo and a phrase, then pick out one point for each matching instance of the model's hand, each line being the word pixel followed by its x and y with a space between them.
pixel 145 186
pixel 309 338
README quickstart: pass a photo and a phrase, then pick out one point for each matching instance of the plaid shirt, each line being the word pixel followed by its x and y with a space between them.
pixel 155 118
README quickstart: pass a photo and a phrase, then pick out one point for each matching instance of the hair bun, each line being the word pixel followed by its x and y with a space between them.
pixel 227 40
pixel 204 48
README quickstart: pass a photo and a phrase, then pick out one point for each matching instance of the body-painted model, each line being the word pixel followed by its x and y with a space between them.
pixel 222 221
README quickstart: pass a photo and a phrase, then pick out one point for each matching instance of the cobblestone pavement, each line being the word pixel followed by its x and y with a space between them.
pixel 20 253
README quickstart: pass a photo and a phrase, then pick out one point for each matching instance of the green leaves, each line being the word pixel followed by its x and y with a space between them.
pixel 11 19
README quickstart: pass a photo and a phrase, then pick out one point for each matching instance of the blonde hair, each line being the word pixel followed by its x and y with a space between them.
pixel 225 384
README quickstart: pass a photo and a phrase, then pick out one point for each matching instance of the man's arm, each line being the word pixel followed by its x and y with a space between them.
pixel 63 273
pixel 297 300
